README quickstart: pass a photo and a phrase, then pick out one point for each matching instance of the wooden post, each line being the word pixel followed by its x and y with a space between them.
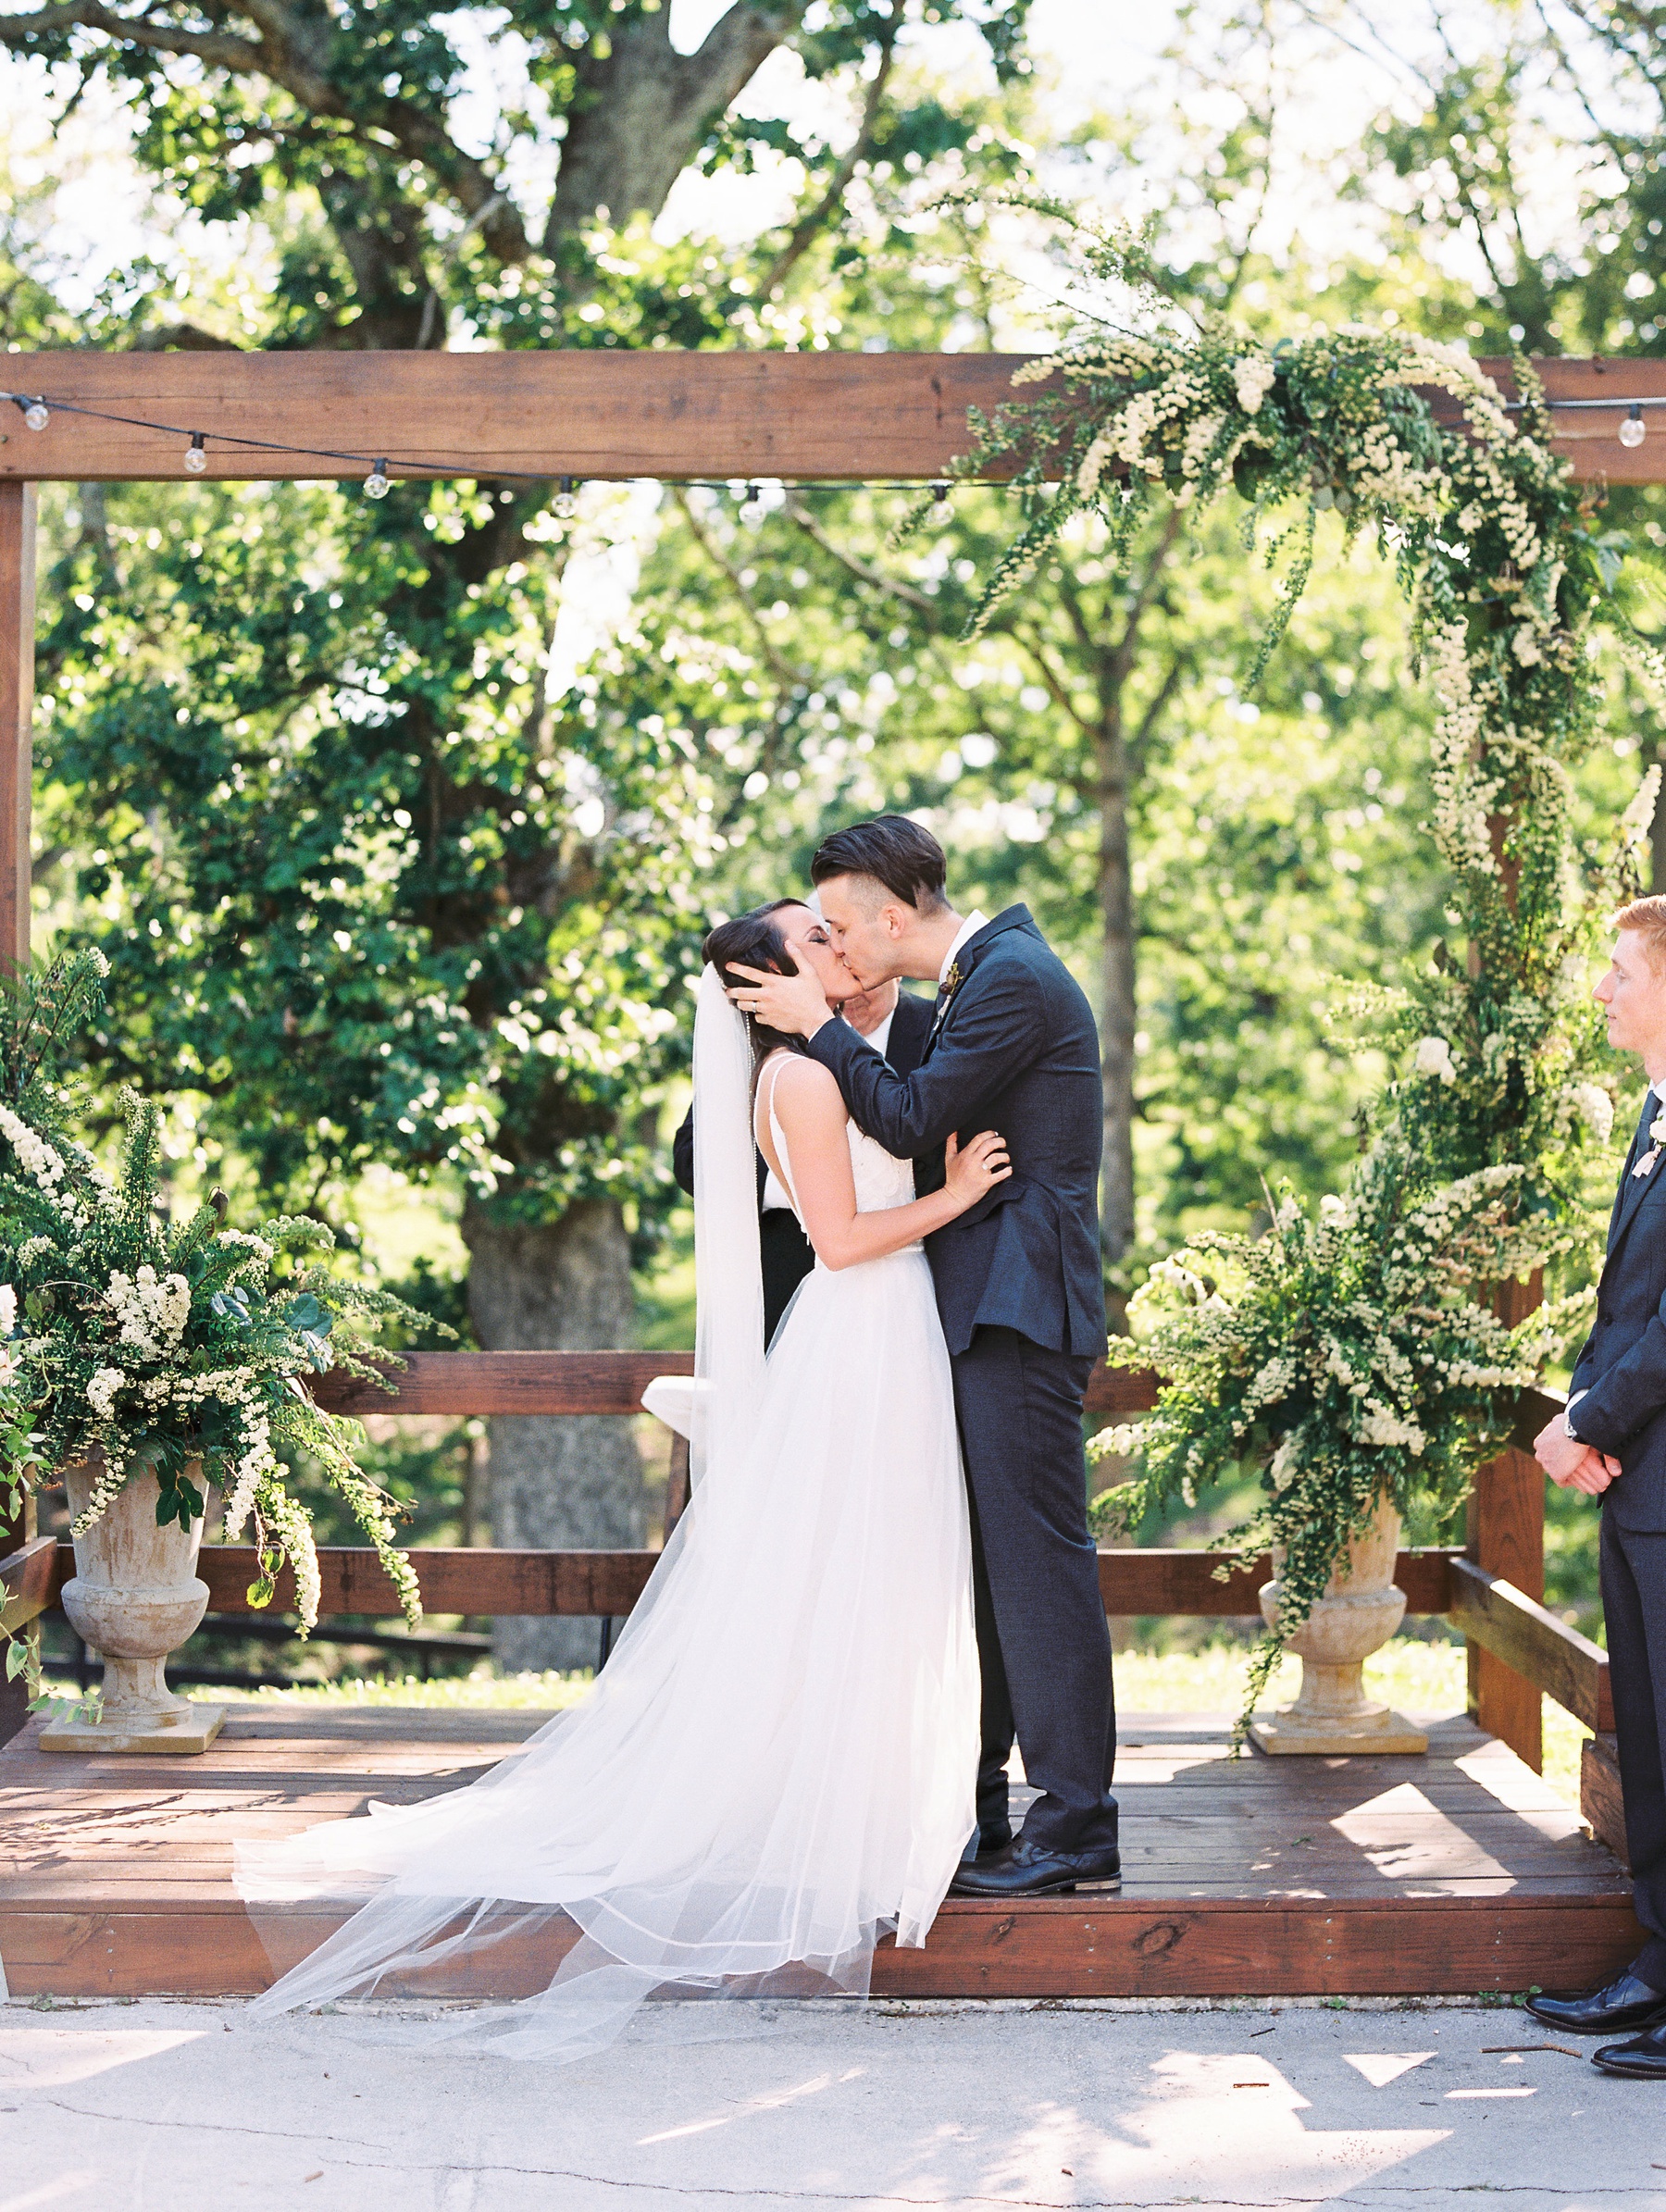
pixel 1506 1535
pixel 16 761
pixel 677 1484
pixel 17 714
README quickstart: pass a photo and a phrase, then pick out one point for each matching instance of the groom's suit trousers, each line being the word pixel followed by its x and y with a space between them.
pixel 1042 1639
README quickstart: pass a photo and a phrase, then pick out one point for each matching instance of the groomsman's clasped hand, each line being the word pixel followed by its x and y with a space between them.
pixel 1571 1464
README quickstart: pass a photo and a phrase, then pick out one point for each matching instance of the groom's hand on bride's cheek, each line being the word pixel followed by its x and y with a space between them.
pixel 794 1004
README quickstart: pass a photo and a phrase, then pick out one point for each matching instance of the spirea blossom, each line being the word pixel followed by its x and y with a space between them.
pixel 1252 377
pixel 1593 1108
pixel 102 1390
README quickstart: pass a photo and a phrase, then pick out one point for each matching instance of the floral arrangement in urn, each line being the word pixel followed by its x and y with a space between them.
pixel 132 1346
pixel 1345 1355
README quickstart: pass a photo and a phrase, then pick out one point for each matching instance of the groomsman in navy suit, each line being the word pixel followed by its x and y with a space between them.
pixel 1611 1444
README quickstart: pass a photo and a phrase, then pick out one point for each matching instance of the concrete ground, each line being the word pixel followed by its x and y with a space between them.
pixel 147 2106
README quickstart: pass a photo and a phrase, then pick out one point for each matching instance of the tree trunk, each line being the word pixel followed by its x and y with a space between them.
pixel 563 1484
pixel 641 110
pixel 1119 1013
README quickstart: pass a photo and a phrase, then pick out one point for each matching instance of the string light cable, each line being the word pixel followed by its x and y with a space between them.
pixel 37 409
pixel 1633 429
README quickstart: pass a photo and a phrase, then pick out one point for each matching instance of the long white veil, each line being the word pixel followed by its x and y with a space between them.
pixel 716 1411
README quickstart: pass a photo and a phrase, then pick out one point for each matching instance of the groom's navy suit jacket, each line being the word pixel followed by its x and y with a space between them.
pixel 1015 1049
pixel 1622 1367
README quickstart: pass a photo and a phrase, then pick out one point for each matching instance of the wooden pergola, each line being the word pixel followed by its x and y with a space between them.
pixel 797 418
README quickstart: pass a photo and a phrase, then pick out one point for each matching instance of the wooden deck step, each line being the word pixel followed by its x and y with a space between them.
pixel 1456 1874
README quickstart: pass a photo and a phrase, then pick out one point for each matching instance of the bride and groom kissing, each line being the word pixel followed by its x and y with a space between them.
pixel 884 1576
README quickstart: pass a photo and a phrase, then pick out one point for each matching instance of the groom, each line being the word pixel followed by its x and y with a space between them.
pixel 1012 1047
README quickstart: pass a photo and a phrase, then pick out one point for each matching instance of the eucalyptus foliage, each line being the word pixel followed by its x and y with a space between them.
pixel 149 1346
pixel 1349 1357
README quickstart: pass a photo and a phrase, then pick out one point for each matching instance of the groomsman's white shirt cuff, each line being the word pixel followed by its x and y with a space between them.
pixel 968 929
pixel 775 1199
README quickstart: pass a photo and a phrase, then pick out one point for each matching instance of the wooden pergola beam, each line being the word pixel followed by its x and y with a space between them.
pixel 601 415
pixel 593 415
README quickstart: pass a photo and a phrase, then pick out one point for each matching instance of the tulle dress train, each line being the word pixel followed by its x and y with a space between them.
pixel 777 1764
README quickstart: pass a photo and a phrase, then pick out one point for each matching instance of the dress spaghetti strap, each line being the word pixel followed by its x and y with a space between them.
pixel 779 1136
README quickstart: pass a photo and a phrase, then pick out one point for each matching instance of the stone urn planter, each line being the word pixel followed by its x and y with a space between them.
pixel 1361 1610
pixel 135 1597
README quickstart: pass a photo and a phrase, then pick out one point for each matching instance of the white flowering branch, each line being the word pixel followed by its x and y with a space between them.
pixel 1348 1357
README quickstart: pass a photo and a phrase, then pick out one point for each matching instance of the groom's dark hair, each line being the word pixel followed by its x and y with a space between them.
pixel 895 852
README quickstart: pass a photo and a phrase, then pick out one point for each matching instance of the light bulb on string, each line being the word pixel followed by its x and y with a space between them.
pixel 34 412
pixel 1634 429
pixel 939 500
pixel 751 506
pixel 375 483
pixel 196 460
pixel 566 499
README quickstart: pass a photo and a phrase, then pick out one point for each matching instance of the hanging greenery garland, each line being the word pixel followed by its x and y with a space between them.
pixel 1346 1354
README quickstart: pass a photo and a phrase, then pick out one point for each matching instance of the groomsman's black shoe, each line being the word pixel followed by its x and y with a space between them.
pixel 1643 2060
pixel 1026 1869
pixel 1625 2004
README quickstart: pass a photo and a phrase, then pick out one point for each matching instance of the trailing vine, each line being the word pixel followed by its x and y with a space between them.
pixel 1346 1355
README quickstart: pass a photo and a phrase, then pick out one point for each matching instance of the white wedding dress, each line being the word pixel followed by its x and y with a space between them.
pixel 777 1764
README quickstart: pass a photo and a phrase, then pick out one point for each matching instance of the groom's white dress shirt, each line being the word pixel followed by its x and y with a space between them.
pixel 775 1198
pixel 968 929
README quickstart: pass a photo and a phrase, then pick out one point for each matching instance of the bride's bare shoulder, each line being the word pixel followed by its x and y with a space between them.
pixel 802 1085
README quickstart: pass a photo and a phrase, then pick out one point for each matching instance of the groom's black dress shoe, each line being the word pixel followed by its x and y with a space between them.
pixel 1643 2060
pixel 1625 2002
pixel 1026 1869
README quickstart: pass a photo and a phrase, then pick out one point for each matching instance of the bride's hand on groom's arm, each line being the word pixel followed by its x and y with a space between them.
pixel 793 1005
pixel 968 1172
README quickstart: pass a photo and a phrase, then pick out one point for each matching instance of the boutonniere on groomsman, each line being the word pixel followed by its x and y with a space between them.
pixel 1656 1143
pixel 1611 1444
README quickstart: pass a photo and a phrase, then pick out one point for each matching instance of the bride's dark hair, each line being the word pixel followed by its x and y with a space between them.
pixel 755 940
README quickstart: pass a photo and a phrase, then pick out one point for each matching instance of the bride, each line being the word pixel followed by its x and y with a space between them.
pixel 778 1763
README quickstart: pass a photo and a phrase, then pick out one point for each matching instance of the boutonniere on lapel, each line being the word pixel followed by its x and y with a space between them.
pixel 951 983
pixel 1657 1137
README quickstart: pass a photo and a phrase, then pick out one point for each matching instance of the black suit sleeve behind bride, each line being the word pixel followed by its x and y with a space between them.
pixel 1016 1050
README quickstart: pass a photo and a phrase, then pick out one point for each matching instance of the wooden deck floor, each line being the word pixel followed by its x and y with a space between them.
pixel 1448 1874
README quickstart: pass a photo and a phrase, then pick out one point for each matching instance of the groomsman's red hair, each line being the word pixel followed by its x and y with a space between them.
pixel 1648 917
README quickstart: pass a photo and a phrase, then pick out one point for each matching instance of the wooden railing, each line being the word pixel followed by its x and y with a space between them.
pixel 1533 1653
